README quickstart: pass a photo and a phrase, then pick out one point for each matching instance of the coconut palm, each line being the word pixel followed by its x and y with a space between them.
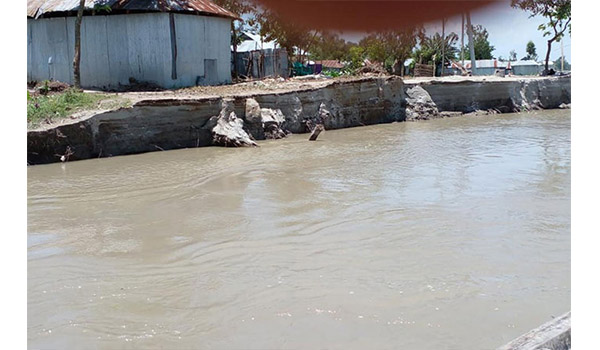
pixel 431 49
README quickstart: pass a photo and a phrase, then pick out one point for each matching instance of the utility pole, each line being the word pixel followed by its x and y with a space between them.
pixel 462 40
pixel 443 44
pixel 471 45
pixel 562 56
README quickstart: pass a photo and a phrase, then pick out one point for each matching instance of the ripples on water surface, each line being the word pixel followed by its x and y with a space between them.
pixel 447 234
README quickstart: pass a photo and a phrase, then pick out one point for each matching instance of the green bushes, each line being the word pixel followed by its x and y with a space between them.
pixel 331 73
pixel 45 107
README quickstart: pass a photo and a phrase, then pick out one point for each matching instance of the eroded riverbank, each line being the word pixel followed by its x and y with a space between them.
pixel 163 122
pixel 448 234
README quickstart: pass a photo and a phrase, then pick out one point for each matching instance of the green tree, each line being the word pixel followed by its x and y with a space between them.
pixel 374 47
pixel 512 56
pixel 329 46
pixel 530 50
pixel 558 14
pixel 356 56
pixel 430 50
pixel 481 44
pixel 295 38
pixel 392 47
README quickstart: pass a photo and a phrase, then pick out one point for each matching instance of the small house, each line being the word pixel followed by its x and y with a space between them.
pixel 525 67
pixel 256 58
pixel 251 42
pixel 171 44
pixel 487 67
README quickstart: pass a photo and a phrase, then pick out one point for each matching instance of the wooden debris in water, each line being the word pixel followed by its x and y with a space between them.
pixel 316 131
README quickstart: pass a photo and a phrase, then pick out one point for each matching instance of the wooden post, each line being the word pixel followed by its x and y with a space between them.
pixel 316 131
pixel 562 56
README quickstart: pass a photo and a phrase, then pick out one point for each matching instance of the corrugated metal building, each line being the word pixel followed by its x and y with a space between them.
pixel 486 67
pixel 526 67
pixel 253 42
pixel 489 67
pixel 175 43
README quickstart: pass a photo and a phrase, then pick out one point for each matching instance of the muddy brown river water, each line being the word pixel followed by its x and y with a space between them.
pixel 446 234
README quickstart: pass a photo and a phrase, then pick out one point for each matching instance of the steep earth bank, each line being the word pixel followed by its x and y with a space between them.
pixel 171 123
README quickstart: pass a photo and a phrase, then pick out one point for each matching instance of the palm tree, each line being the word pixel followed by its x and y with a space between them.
pixel 435 46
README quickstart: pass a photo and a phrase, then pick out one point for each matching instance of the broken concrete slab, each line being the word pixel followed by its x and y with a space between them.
pixel 552 335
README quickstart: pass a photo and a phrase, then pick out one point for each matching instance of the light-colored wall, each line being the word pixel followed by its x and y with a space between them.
pixel 526 70
pixel 117 47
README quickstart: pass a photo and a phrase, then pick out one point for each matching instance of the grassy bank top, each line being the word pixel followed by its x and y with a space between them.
pixel 49 107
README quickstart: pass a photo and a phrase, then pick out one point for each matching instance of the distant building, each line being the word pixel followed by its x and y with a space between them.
pixel 489 67
pixel 486 67
pixel 525 67
pixel 324 65
pixel 257 58
pixel 252 42
pixel 171 44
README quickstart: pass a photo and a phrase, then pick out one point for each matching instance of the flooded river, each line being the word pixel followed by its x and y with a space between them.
pixel 446 234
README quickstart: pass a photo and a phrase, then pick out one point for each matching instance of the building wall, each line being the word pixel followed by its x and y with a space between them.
pixel 119 47
pixel 526 70
pixel 265 63
pixel 486 71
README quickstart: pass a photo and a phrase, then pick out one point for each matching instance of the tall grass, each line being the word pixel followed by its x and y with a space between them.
pixel 47 107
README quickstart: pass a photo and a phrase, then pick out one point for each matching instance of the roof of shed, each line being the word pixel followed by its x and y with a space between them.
pixel 254 42
pixel 493 63
pixel 38 8
pixel 330 63
pixel 525 63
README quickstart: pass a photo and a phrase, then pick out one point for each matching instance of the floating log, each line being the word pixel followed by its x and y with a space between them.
pixel 316 131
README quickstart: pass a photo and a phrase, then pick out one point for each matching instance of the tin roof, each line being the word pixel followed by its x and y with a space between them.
pixel 525 63
pixel 330 64
pixel 493 63
pixel 38 8
pixel 254 42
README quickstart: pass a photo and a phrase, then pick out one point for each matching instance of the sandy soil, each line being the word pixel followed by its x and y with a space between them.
pixel 281 85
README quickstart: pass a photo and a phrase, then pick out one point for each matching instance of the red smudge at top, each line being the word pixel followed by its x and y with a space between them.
pixel 362 15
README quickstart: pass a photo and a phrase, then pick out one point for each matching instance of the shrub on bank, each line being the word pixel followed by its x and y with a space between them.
pixel 46 107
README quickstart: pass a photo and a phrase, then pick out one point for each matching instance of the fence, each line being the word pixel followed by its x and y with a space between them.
pixel 261 63
pixel 423 70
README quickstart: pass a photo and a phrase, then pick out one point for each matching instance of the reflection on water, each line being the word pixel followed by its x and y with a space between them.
pixel 447 234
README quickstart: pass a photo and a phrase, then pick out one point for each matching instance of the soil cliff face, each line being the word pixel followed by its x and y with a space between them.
pixel 163 124
pixel 504 96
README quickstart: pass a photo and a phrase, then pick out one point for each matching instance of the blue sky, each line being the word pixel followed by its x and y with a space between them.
pixel 508 28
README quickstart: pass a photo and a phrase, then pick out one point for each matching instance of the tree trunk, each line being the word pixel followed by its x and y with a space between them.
pixel 235 69
pixel 77 56
pixel 471 45
pixel 462 41
pixel 548 55
pixel 443 44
